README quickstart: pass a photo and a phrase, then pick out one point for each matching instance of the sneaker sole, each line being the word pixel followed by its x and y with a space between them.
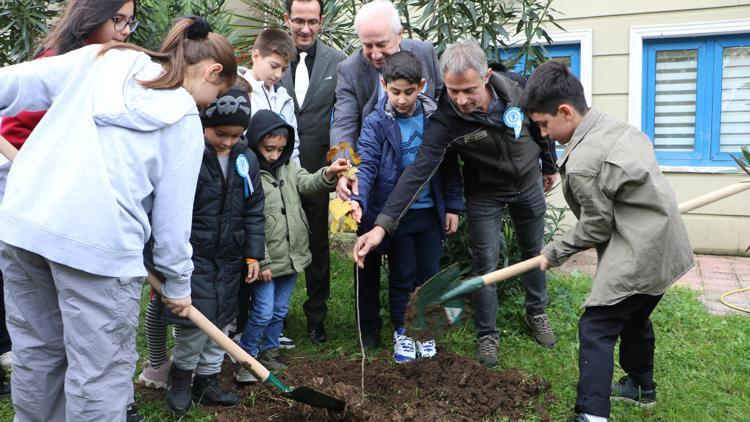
pixel 631 401
pixel 203 401
pixel 287 346
pixel 156 385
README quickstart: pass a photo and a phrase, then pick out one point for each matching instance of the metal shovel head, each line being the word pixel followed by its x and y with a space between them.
pixel 427 317
pixel 316 398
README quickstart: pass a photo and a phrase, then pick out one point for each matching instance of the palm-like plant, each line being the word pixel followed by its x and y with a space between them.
pixel 23 23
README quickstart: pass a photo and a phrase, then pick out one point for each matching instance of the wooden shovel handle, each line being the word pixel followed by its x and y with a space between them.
pixel 530 264
pixel 218 336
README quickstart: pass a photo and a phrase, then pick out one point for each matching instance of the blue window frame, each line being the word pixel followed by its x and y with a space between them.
pixel 569 54
pixel 696 94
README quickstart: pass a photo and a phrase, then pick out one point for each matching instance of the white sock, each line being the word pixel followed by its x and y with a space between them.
pixel 593 418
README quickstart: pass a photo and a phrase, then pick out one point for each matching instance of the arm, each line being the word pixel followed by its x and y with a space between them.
pixel 253 217
pixel 346 113
pixel 453 187
pixel 370 148
pixel 595 223
pixel 34 85
pixel 312 183
pixel 171 214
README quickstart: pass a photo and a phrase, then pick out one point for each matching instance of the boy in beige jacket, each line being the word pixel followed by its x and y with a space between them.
pixel 627 211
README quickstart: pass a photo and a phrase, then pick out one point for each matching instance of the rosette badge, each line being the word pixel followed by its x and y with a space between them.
pixel 513 118
pixel 243 169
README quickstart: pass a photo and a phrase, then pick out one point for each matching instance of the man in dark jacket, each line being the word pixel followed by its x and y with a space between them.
pixel 478 117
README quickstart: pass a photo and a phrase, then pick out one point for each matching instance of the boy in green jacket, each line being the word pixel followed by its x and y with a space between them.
pixel 627 211
pixel 286 235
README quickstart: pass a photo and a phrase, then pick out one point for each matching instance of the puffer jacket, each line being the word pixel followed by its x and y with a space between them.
pixel 227 228
pixel 379 146
pixel 286 230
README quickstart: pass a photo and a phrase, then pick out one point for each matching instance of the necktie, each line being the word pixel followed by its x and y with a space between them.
pixel 301 79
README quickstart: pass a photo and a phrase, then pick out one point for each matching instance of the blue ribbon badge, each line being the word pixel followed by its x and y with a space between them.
pixel 513 118
pixel 243 169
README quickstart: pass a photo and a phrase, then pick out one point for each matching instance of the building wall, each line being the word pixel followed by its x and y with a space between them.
pixel 723 227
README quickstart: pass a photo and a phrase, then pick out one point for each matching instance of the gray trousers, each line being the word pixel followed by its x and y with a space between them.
pixel 193 349
pixel 485 214
pixel 73 337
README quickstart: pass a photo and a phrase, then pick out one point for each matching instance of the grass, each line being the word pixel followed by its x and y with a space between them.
pixel 701 362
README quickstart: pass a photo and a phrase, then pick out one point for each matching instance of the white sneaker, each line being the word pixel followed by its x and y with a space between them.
pixel 6 360
pixel 403 347
pixel 285 342
pixel 155 378
pixel 426 349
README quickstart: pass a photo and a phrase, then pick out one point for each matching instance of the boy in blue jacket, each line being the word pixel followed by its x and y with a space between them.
pixel 390 138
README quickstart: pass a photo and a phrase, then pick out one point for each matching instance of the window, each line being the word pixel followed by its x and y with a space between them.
pixel 696 94
pixel 568 54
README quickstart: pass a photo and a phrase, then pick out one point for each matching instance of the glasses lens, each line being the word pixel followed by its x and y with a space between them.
pixel 134 25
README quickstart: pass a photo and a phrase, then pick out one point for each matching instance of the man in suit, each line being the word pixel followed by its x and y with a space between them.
pixel 358 88
pixel 311 79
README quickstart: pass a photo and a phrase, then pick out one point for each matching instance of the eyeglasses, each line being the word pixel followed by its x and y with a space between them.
pixel 121 22
pixel 301 22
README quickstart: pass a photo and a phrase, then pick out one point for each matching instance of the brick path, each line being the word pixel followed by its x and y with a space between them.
pixel 711 277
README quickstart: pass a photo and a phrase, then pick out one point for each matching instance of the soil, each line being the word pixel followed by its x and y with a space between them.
pixel 447 387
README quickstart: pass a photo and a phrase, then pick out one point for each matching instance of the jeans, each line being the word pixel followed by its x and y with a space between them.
pixel 270 307
pixel 485 215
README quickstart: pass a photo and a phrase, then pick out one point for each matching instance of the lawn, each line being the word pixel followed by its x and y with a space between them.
pixel 701 359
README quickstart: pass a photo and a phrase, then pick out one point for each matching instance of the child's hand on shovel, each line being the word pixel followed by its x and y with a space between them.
pixel 179 307
pixel 544 263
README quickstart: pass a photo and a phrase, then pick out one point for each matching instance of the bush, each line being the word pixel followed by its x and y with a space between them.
pixel 23 23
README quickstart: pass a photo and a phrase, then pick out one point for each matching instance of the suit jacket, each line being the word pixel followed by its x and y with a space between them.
pixel 314 116
pixel 357 95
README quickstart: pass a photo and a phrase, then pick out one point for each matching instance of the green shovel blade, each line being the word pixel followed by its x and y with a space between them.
pixel 427 315
pixel 306 395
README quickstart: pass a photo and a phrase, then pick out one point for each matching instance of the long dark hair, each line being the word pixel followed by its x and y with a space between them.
pixel 189 41
pixel 77 21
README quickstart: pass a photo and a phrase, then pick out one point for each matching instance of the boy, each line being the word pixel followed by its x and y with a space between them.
pixel 390 138
pixel 227 235
pixel 272 52
pixel 627 210
pixel 286 234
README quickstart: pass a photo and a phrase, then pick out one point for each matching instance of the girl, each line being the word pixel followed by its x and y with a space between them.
pixel 79 208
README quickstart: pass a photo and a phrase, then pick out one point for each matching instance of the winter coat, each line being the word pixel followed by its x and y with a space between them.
pixel 227 228
pixel 286 229
pixel 379 146
pixel 625 209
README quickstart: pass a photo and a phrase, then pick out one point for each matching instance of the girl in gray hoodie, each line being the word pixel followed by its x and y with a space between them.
pixel 113 163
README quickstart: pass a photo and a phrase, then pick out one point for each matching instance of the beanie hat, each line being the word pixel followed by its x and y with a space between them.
pixel 231 109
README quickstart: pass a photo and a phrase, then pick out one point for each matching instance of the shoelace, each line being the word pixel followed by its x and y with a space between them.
pixel 487 345
pixel 428 346
pixel 542 323
pixel 406 343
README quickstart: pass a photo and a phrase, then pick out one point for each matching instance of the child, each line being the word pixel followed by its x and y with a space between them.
pixel 227 234
pixel 286 234
pixel 273 50
pixel 79 208
pixel 627 211
pixel 391 136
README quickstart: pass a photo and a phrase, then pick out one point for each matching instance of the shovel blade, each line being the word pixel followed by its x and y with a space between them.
pixel 316 399
pixel 427 316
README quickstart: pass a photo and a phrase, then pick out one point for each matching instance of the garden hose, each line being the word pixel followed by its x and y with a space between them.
pixel 731 292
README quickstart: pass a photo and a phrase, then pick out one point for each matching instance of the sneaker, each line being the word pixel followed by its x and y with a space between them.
pixel 486 352
pixel 540 329
pixel 6 360
pixel 404 349
pixel 285 342
pixel 179 395
pixel 270 359
pixel 628 390
pixel 426 349
pixel 316 333
pixel 131 414
pixel 242 376
pixel 206 390
pixel 155 378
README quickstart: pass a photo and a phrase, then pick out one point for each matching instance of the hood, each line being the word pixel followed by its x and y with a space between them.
pixel 429 106
pixel 131 105
pixel 265 121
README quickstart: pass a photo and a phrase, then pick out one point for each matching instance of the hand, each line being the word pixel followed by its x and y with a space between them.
pixel 179 307
pixel 366 243
pixel 337 167
pixel 544 264
pixel 356 211
pixel 451 223
pixel 252 272
pixel 345 188
pixel 549 181
pixel 265 275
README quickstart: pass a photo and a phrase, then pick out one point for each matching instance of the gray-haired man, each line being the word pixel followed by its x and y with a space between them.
pixel 479 118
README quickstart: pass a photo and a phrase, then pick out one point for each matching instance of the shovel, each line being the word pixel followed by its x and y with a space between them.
pixel 301 394
pixel 437 306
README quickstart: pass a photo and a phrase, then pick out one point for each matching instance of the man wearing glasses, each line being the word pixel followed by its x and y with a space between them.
pixel 311 79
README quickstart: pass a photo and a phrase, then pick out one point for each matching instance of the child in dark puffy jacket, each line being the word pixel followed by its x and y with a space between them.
pixel 228 241
pixel 391 136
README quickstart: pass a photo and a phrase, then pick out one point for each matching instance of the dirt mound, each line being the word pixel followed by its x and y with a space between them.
pixel 448 387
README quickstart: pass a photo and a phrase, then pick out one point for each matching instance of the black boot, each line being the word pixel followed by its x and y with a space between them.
pixel 4 383
pixel 206 390
pixel 179 398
